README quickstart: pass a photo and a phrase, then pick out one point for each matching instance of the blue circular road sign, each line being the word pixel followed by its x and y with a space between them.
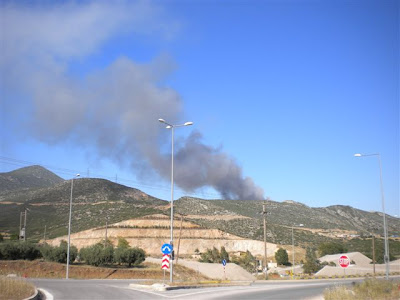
pixel 166 248
pixel 224 262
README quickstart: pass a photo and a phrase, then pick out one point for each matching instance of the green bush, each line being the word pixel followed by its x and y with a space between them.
pixel 19 250
pixel 97 255
pixel 247 261
pixel 312 265
pixel 331 248
pixel 59 254
pixel 281 257
pixel 214 256
pixel 133 256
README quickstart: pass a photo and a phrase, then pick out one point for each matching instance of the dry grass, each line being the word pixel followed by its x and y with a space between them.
pixel 371 289
pixel 42 269
pixel 15 288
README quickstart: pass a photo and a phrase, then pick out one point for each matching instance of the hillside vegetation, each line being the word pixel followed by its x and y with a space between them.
pixel 97 201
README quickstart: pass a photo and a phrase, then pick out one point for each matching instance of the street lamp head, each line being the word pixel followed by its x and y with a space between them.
pixel 188 123
pixel 161 120
pixel 77 175
pixel 357 155
pixel 169 127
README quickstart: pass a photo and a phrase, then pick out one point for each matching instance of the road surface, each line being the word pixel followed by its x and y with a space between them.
pixel 120 289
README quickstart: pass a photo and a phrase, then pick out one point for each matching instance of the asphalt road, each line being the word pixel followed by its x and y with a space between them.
pixel 119 289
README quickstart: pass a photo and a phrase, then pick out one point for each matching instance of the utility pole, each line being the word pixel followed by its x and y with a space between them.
pixel 292 253
pixel 20 226
pixel 25 227
pixel 105 239
pixel 179 240
pixel 44 235
pixel 265 240
pixel 373 252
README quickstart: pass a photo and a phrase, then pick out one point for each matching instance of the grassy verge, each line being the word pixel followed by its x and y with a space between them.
pixel 372 289
pixel 15 288
pixel 43 269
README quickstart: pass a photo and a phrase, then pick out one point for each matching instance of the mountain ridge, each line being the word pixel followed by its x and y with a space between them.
pixel 97 201
pixel 28 177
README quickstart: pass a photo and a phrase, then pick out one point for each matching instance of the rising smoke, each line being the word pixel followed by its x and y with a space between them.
pixel 113 109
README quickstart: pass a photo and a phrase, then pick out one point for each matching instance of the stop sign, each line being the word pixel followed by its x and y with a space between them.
pixel 344 261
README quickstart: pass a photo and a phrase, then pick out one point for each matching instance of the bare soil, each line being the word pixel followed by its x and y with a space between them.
pixel 43 269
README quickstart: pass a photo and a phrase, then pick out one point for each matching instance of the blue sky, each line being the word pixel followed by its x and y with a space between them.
pixel 282 92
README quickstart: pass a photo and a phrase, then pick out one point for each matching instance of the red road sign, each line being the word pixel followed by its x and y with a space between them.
pixel 344 261
pixel 165 262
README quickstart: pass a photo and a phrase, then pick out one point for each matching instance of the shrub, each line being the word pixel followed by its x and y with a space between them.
pixel 311 265
pixel 19 250
pixel 134 256
pixel 214 256
pixel 9 251
pixel 247 261
pixel 224 254
pixel 97 255
pixel 281 257
pixel 331 248
pixel 59 254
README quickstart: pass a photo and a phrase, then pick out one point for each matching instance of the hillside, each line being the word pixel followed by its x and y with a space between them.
pixel 28 178
pixel 311 225
pixel 93 200
pixel 97 201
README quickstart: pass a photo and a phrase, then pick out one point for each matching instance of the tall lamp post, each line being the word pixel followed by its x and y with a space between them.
pixel 292 253
pixel 172 127
pixel 386 256
pixel 69 224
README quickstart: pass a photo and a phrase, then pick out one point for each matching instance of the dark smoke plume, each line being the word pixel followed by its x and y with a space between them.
pixel 113 110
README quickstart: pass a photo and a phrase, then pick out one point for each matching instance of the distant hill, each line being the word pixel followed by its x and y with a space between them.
pixel 310 224
pixel 97 201
pixel 94 200
pixel 86 190
pixel 28 178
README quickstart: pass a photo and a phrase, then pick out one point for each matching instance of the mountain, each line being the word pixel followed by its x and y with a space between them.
pixel 46 198
pixel 311 225
pixel 97 201
pixel 28 178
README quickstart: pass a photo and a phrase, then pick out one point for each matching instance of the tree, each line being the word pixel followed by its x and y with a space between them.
pixel 15 250
pixel 59 254
pixel 214 256
pixel 1 238
pixel 97 255
pixel 224 254
pixel 331 248
pixel 134 256
pixel 246 261
pixel 207 256
pixel 311 265
pixel 119 252
pixel 281 257
pixel 122 243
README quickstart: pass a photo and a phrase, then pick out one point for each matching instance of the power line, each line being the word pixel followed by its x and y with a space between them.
pixel 132 183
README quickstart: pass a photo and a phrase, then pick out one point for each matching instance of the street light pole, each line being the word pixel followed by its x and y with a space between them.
pixel 265 241
pixel 172 127
pixel 69 225
pixel 386 256
pixel 292 253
